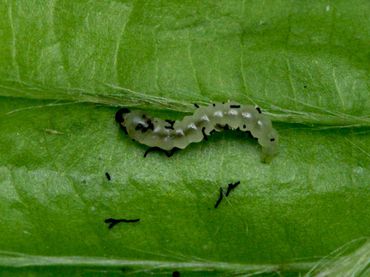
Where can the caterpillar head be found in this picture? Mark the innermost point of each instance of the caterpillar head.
(120, 117)
(120, 114)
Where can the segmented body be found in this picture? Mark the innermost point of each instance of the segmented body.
(168, 135)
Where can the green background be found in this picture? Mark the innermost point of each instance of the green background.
(66, 67)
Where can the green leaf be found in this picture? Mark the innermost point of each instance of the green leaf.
(65, 67)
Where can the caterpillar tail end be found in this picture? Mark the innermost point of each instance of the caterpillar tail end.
(268, 153)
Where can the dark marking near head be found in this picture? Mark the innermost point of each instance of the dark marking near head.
(204, 134)
(196, 105)
(230, 187)
(235, 106)
(113, 222)
(244, 126)
(168, 153)
(219, 198)
(150, 124)
(120, 113)
(305, 86)
(108, 176)
(175, 274)
(214, 105)
(140, 127)
(171, 122)
(272, 139)
(258, 109)
(143, 129)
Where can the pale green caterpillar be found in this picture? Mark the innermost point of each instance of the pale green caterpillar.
(169, 135)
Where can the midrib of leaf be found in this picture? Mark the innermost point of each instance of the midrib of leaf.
(119, 96)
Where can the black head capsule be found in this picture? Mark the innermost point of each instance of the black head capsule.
(120, 113)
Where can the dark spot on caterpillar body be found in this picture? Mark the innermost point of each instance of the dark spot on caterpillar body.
(204, 134)
(175, 274)
(113, 222)
(222, 127)
(150, 125)
(108, 176)
(219, 198)
(171, 122)
(196, 105)
(140, 127)
(168, 134)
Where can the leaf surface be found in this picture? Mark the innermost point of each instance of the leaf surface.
(66, 65)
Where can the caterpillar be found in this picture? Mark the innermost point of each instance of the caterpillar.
(169, 135)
